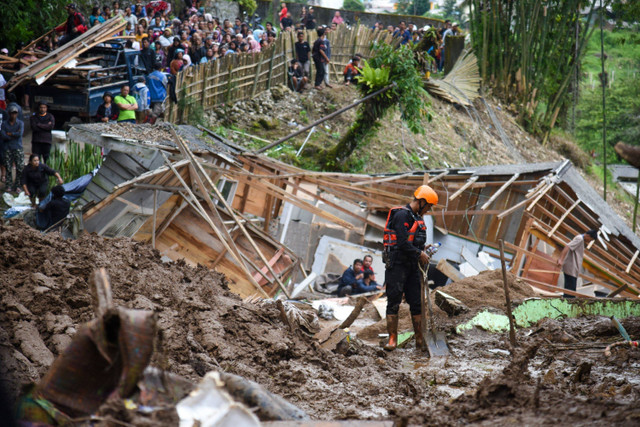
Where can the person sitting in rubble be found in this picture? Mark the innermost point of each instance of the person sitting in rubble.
(353, 281)
(368, 270)
(57, 209)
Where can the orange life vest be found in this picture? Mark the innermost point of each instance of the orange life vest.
(390, 237)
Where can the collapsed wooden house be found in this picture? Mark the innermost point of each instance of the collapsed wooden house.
(213, 203)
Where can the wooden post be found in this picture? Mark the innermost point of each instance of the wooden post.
(512, 331)
(273, 54)
(155, 215)
(255, 80)
(635, 204)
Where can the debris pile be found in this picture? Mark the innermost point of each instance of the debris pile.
(487, 290)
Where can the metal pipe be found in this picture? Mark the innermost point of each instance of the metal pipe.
(330, 116)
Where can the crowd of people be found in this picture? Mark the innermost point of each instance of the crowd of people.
(168, 42)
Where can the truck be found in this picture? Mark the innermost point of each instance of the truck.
(78, 90)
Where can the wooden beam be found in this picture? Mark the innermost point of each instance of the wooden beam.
(633, 259)
(563, 217)
(539, 196)
(552, 288)
(155, 215)
(468, 184)
(618, 291)
(280, 193)
(336, 206)
(385, 179)
(272, 262)
(518, 205)
(499, 191)
(175, 211)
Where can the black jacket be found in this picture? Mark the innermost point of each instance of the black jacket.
(56, 210)
(41, 126)
(115, 111)
(36, 176)
(148, 58)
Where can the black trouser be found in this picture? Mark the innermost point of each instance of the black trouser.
(42, 149)
(38, 190)
(403, 278)
(570, 283)
(319, 71)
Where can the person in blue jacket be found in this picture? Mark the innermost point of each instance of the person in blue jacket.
(157, 83)
(353, 281)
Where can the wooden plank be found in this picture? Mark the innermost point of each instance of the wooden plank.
(449, 270)
(272, 262)
(563, 217)
(500, 191)
(469, 182)
(552, 288)
(633, 259)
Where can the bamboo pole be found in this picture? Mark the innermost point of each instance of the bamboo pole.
(512, 331)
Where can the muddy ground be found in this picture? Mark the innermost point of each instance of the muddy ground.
(560, 376)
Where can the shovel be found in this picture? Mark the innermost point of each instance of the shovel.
(435, 340)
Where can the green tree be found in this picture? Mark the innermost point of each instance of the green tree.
(414, 7)
(25, 20)
(389, 64)
(626, 10)
(450, 10)
(355, 5)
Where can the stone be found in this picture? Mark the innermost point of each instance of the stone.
(43, 280)
(60, 342)
(56, 324)
(31, 344)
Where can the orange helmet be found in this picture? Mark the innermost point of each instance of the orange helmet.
(425, 192)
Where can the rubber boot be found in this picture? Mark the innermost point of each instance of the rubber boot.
(392, 328)
(417, 328)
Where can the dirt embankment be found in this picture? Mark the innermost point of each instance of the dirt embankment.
(44, 297)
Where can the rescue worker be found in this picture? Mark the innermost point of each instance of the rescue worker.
(405, 235)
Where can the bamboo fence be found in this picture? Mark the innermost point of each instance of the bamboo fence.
(239, 77)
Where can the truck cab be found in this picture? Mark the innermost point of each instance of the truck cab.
(78, 90)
